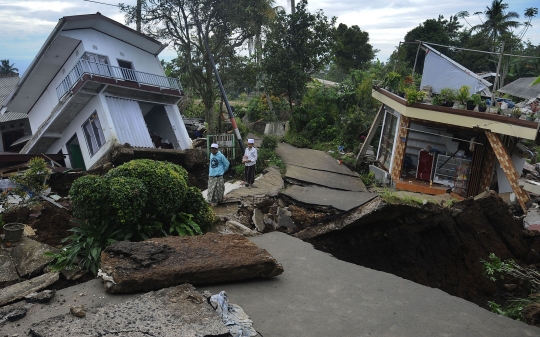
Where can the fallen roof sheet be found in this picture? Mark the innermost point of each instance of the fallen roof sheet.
(522, 88)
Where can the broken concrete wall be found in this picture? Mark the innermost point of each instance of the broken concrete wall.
(164, 262)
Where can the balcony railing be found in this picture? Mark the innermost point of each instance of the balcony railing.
(101, 69)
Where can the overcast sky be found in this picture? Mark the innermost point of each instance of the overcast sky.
(26, 24)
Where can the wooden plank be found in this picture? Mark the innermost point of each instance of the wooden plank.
(371, 133)
(508, 168)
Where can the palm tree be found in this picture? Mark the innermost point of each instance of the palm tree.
(7, 69)
(498, 21)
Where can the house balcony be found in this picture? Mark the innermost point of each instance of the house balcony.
(467, 119)
(121, 78)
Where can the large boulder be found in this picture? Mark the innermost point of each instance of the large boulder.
(164, 262)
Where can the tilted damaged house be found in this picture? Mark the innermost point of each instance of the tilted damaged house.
(94, 83)
(434, 149)
(13, 124)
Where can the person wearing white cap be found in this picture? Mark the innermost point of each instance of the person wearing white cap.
(249, 160)
(216, 184)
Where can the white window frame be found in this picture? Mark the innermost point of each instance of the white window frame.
(93, 133)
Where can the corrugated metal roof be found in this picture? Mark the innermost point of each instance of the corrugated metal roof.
(7, 85)
(522, 88)
(12, 116)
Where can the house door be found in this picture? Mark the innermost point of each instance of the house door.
(9, 137)
(126, 68)
(75, 153)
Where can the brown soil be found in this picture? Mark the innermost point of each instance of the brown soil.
(52, 225)
(435, 246)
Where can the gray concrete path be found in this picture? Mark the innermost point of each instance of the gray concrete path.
(325, 178)
(318, 295)
(311, 159)
(342, 200)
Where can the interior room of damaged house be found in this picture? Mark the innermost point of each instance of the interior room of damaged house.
(434, 145)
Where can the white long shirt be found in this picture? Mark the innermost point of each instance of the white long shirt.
(251, 155)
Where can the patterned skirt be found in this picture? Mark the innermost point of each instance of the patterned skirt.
(216, 188)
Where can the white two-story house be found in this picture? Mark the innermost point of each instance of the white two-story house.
(94, 83)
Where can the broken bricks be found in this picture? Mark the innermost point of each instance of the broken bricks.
(169, 261)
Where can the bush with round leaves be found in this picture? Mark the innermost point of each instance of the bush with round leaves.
(165, 183)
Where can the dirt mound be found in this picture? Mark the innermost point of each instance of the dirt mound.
(52, 225)
(434, 246)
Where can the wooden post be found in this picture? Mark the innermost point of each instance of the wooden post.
(371, 133)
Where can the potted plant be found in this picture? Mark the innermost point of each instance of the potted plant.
(473, 101)
(463, 96)
(391, 81)
(482, 106)
(447, 97)
(414, 96)
(530, 116)
(516, 112)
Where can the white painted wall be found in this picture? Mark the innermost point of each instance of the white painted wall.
(504, 185)
(106, 45)
(75, 127)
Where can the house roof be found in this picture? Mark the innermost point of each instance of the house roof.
(7, 84)
(455, 75)
(57, 49)
(522, 88)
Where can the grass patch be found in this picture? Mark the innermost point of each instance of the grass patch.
(390, 197)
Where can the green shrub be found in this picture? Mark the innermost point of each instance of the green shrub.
(88, 241)
(32, 180)
(267, 157)
(88, 195)
(165, 183)
(269, 142)
(203, 215)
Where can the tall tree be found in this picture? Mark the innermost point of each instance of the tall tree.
(226, 25)
(497, 21)
(7, 69)
(352, 49)
(438, 31)
(297, 46)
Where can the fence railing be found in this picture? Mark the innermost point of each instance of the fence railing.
(101, 69)
(226, 143)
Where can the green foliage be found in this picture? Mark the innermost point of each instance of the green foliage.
(87, 242)
(414, 96)
(391, 197)
(447, 95)
(512, 308)
(258, 108)
(195, 205)
(462, 94)
(165, 183)
(266, 158)
(183, 225)
(6, 68)
(297, 46)
(242, 128)
(476, 98)
(269, 142)
(392, 81)
(368, 178)
(33, 180)
(351, 49)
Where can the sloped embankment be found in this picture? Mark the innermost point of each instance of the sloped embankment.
(431, 245)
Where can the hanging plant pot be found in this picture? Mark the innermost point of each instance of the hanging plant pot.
(13, 232)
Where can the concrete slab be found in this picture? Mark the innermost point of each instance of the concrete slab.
(325, 178)
(320, 296)
(342, 200)
(311, 159)
(268, 185)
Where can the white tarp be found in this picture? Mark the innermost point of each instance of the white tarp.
(129, 122)
(440, 72)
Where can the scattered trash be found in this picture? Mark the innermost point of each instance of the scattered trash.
(233, 316)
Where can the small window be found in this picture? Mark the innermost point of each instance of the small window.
(93, 134)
